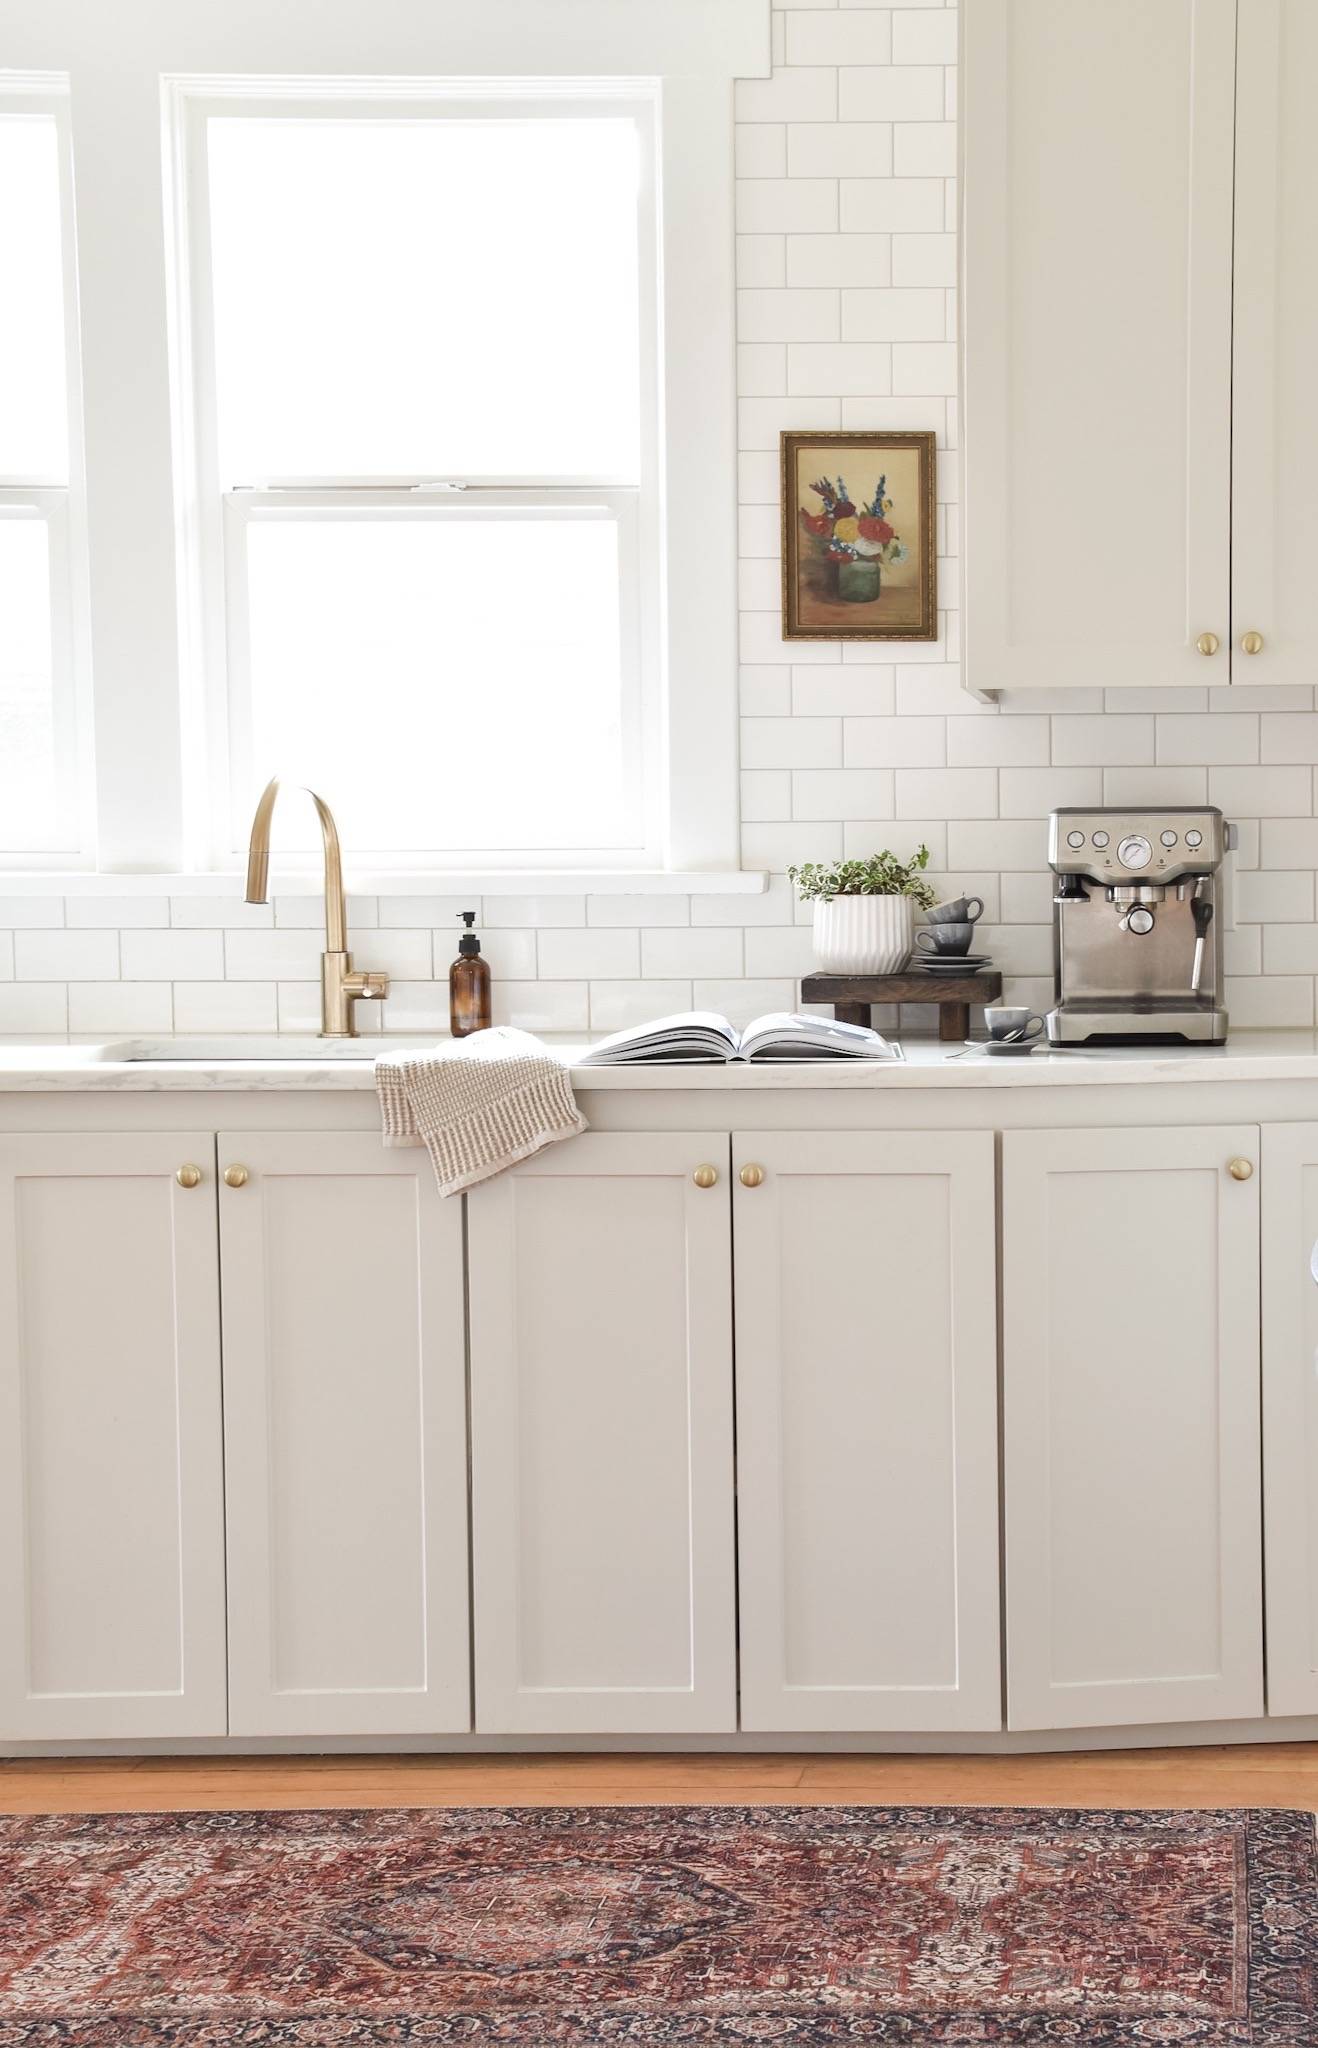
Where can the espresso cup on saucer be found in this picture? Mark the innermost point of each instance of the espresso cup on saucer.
(1012, 1026)
(961, 910)
(947, 938)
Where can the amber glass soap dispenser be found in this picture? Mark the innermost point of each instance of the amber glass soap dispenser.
(469, 984)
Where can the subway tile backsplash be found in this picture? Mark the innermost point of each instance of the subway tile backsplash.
(846, 274)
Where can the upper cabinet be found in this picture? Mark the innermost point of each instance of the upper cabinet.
(1135, 497)
(1274, 403)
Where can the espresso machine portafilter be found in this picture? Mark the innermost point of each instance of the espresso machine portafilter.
(1137, 926)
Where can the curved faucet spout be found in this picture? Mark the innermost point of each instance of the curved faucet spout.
(258, 863)
(341, 985)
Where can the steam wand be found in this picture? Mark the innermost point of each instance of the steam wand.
(1202, 913)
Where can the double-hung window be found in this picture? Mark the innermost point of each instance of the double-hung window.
(43, 727)
(422, 347)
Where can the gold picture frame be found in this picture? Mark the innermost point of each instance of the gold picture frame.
(859, 543)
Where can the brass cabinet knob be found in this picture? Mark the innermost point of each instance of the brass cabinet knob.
(705, 1176)
(1252, 643)
(1208, 643)
(751, 1176)
(188, 1176)
(1240, 1169)
(235, 1176)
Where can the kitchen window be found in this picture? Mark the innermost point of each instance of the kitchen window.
(424, 379)
(44, 722)
(399, 405)
(424, 361)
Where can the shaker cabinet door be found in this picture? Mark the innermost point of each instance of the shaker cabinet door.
(601, 1415)
(1131, 1406)
(111, 1490)
(1096, 252)
(1275, 394)
(1290, 1414)
(867, 1425)
(345, 1439)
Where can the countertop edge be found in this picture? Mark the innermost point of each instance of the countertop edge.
(1258, 1057)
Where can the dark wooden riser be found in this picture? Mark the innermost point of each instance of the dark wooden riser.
(852, 995)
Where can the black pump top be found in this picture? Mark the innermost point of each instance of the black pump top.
(468, 943)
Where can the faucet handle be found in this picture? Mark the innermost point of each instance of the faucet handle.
(366, 986)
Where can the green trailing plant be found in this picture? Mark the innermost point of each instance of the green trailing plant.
(881, 875)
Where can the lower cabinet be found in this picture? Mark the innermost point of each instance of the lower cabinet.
(345, 1438)
(601, 1415)
(268, 1536)
(111, 1508)
(867, 1422)
(1131, 1416)
(1290, 1413)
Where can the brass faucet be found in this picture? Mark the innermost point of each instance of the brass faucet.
(341, 985)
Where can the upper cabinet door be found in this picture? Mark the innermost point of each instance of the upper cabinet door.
(601, 1415)
(1290, 1414)
(345, 1439)
(1275, 394)
(111, 1501)
(1096, 251)
(867, 1431)
(1131, 1401)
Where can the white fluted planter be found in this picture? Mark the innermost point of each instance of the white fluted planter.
(863, 934)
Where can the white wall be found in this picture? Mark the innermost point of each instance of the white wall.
(846, 262)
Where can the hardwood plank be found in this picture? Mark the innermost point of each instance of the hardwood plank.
(1282, 1774)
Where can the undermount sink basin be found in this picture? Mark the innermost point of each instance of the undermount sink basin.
(288, 1046)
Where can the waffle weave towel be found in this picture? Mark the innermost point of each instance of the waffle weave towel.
(477, 1105)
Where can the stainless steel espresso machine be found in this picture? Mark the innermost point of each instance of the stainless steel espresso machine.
(1137, 926)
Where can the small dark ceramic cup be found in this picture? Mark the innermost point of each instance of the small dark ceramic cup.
(961, 910)
(945, 938)
(1012, 1023)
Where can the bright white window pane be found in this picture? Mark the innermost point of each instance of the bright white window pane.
(34, 445)
(28, 803)
(448, 298)
(447, 683)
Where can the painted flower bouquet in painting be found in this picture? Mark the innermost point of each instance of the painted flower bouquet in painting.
(857, 542)
(858, 536)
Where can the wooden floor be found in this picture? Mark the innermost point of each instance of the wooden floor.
(1282, 1774)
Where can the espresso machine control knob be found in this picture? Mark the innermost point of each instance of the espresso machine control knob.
(1135, 852)
(1139, 920)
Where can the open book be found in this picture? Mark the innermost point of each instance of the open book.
(701, 1035)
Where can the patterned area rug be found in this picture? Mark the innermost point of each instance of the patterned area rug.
(646, 1927)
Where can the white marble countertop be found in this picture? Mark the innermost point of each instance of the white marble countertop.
(111, 1065)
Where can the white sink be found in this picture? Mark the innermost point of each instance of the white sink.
(248, 1046)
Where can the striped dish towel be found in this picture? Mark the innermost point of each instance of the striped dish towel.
(477, 1105)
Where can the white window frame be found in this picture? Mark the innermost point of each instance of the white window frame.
(58, 506)
(129, 65)
(221, 708)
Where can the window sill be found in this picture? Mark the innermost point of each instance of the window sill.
(302, 878)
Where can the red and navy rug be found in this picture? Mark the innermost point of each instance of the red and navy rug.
(649, 1927)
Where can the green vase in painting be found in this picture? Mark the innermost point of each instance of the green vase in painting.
(858, 582)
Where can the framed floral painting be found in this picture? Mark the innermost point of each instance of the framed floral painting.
(858, 537)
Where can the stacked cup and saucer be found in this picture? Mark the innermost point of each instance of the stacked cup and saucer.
(947, 935)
